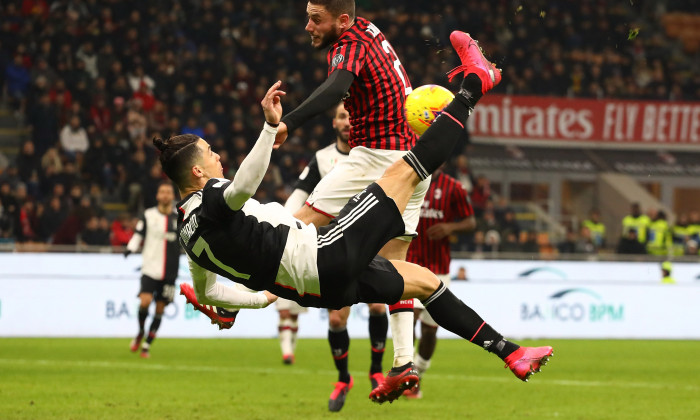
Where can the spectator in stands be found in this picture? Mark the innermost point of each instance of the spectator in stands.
(636, 221)
(510, 243)
(680, 234)
(74, 138)
(67, 233)
(27, 223)
(509, 225)
(480, 194)
(488, 222)
(694, 225)
(529, 242)
(658, 234)
(136, 123)
(629, 244)
(596, 229)
(17, 80)
(43, 123)
(122, 230)
(51, 217)
(6, 225)
(93, 234)
(492, 240)
(210, 65)
(479, 245)
(29, 167)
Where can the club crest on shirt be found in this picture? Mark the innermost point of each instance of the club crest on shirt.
(337, 59)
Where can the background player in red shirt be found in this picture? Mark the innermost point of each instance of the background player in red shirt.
(445, 202)
(363, 69)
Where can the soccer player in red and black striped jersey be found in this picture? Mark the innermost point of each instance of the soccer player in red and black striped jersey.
(446, 210)
(363, 69)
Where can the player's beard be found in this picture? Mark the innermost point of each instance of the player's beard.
(343, 136)
(329, 38)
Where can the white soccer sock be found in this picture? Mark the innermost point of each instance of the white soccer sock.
(401, 324)
(421, 364)
(294, 329)
(285, 332)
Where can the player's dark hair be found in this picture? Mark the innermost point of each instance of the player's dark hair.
(167, 182)
(337, 7)
(177, 156)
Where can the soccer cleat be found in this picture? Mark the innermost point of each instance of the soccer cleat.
(526, 361)
(473, 61)
(413, 393)
(145, 354)
(136, 343)
(376, 379)
(218, 316)
(337, 398)
(288, 359)
(395, 383)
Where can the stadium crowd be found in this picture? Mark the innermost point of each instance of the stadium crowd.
(94, 81)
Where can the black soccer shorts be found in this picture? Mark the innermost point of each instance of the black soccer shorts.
(162, 290)
(348, 266)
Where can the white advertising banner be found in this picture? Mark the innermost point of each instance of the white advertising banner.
(607, 272)
(94, 295)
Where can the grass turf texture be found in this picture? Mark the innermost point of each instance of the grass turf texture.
(245, 379)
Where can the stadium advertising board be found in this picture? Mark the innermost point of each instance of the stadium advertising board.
(94, 295)
(582, 122)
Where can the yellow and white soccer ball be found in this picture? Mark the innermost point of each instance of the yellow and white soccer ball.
(424, 104)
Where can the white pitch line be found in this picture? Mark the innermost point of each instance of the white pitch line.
(301, 371)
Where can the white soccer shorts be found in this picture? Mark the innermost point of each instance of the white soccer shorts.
(362, 167)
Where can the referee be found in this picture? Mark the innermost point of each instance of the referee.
(157, 230)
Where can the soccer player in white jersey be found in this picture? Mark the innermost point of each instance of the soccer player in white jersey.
(263, 247)
(323, 161)
(157, 231)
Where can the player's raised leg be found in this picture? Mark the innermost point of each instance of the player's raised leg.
(431, 150)
(454, 315)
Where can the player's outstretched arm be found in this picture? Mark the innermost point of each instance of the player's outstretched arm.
(254, 166)
(210, 292)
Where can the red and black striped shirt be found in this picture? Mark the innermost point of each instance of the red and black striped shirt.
(377, 96)
(445, 201)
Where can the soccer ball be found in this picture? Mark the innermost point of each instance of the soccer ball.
(424, 104)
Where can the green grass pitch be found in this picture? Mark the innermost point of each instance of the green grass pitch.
(245, 379)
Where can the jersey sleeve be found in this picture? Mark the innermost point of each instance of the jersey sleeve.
(252, 170)
(210, 292)
(350, 56)
(461, 203)
(309, 178)
(139, 233)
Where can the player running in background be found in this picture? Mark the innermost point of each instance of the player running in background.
(444, 204)
(263, 247)
(363, 69)
(157, 230)
(323, 161)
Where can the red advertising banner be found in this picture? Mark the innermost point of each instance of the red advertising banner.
(586, 122)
